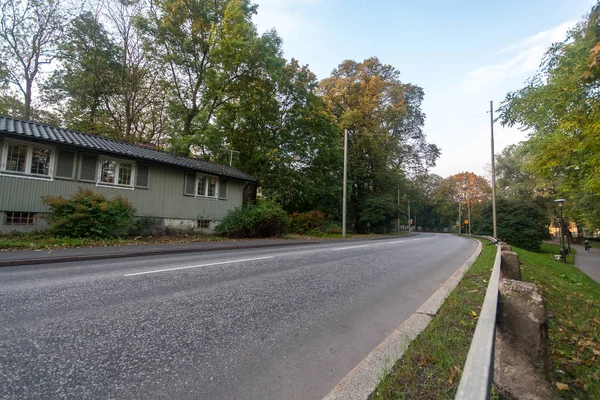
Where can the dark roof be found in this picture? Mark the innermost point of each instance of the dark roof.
(42, 132)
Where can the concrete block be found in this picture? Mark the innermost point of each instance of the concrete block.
(522, 357)
(510, 266)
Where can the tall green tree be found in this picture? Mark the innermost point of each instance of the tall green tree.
(384, 121)
(29, 33)
(286, 138)
(560, 108)
(209, 50)
(85, 76)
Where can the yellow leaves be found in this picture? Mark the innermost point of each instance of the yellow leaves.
(474, 314)
(454, 372)
(562, 386)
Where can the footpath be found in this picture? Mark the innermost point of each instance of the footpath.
(29, 257)
(588, 261)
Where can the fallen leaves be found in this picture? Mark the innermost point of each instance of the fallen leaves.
(562, 386)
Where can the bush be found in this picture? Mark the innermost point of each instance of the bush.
(147, 226)
(313, 220)
(520, 223)
(265, 219)
(89, 214)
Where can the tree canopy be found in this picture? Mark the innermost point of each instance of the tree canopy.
(560, 109)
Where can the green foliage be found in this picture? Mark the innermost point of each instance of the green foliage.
(384, 120)
(573, 299)
(520, 223)
(89, 214)
(560, 108)
(264, 219)
(29, 31)
(312, 221)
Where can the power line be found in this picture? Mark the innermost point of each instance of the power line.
(455, 122)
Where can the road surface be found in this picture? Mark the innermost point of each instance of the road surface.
(271, 323)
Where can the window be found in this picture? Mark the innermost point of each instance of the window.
(18, 218)
(26, 159)
(202, 185)
(65, 164)
(203, 223)
(115, 172)
(207, 186)
(141, 178)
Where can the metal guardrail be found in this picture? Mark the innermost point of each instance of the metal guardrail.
(478, 372)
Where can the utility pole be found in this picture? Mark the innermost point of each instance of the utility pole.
(459, 219)
(345, 177)
(493, 171)
(469, 210)
(231, 155)
(408, 215)
(398, 222)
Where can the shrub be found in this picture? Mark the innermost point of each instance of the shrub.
(520, 223)
(89, 214)
(265, 219)
(308, 221)
(147, 226)
(313, 222)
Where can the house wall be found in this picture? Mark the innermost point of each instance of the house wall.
(164, 197)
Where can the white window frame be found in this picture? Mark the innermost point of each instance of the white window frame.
(118, 162)
(28, 160)
(206, 180)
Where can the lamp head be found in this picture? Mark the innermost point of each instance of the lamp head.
(560, 202)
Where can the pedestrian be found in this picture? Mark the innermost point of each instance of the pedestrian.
(587, 245)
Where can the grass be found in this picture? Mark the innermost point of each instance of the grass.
(431, 366)
(573, 302)
(44, 241)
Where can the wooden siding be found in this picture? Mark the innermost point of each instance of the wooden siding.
(163, 198)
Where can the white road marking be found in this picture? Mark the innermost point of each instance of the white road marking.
(198, 266)
(349, 247)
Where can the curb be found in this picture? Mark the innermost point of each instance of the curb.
(138, 252)
(364, 378)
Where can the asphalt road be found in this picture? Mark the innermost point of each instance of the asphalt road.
(279, 323)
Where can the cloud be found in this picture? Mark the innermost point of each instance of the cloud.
(288, 17)
(521, 59)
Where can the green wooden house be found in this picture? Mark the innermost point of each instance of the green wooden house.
(38, 160)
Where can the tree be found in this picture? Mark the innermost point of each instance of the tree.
(560, 108)
(519, 222)
(462, 190)
(85, 76)
(384, 119)
(210, 51)
(285, 137)
(29, 31)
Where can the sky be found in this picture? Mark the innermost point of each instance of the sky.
(464, 54)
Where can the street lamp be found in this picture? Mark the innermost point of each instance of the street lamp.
(562, 223)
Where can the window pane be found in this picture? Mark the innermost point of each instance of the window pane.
(88, 167)
(107, 173)
(212, 187)
(15, 161)
(125, 173)
(40, 161)
(201, 186)
(141, 178)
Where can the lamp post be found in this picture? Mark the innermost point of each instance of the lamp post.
(562, 223)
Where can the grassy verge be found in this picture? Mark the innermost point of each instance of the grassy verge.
(573, 302)
(44, 241)
(431, 366)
